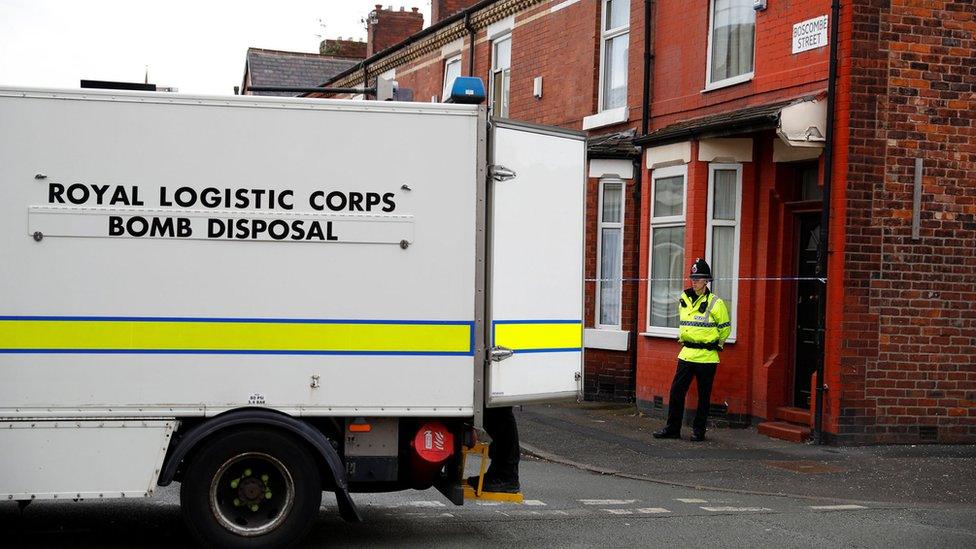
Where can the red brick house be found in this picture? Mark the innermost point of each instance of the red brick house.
(741, 140)
(735, 163)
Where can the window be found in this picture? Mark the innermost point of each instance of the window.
(452, 69)
(722, 241)
(731, 42)
(610, 250)
(616, 43)
(667, 257)
(501, 69)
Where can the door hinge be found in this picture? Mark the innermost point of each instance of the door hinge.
(499, 354)
(500, 173)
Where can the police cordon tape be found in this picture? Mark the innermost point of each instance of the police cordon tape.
(739, 278)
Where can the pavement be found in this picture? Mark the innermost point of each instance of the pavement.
(615, 439)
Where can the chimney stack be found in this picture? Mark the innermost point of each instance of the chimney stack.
(386, 27)
(442, 9)
(348, 49)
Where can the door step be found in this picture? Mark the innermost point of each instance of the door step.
(799, 416)
(784, 431)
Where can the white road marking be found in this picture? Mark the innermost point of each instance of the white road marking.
(620, 511)
(691, 500)
(534, 502)
(653, 510)
(424, 504)
(607, 501)
(836, 507)
(488, 503)
(735, 509)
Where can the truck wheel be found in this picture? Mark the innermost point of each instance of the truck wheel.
(251, 488)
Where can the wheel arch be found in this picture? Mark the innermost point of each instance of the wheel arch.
(254, 417)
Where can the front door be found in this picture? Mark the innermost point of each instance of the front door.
(809, 291)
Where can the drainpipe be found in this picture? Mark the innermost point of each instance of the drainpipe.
(648, 57)
(365, 78)
(825, 216)
(639, 164)
(472, 34)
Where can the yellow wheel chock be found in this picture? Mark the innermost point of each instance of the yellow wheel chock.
(481, 449)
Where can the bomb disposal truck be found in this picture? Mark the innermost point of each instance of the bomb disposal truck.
(265, 298)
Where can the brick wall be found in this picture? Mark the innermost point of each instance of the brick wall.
(680, 60)
(907, 361)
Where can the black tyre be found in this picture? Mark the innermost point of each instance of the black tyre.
(251, 488)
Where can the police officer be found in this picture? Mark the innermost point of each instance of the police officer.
(703, 328)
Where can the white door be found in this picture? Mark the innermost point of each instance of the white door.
(535, 285)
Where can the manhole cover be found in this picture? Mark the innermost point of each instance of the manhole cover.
(804, 466)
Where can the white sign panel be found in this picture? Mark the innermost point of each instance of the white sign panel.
(810, 34)
(219, 225)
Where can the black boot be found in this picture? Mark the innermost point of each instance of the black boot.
(666, 433)
(492, 484)
(698, 436)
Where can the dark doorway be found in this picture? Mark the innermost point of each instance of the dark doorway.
(808, 294)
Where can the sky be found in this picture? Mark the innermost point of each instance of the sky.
(197, 46)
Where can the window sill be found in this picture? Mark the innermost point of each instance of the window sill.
(674, 336)
(728, 82)
(606, 118)
(606, 338)
(670, 333)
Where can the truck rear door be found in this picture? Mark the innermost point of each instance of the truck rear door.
(535, 282)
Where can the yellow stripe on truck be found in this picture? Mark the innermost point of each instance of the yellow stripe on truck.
(539, 336)
(235, 336)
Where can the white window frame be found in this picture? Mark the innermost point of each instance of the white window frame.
(491, 80)
(737, 224)
(601, 224)
(661, 223)
(445, 93)
(725, 82)
(605, 37)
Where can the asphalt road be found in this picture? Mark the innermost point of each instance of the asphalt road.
(565, 507)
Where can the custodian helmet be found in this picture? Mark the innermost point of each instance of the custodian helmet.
(700, 269)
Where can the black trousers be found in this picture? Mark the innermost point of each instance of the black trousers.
(504, 448)
(705, 374)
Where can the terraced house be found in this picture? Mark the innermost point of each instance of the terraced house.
(819, 155)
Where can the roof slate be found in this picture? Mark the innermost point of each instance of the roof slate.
(612, 145)
(727, 123)
(287, 68)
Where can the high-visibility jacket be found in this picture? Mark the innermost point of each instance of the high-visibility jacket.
(703, 327)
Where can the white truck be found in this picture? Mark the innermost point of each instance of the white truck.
(267, 298)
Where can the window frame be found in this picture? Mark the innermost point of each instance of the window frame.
(445, 93)
(601, 224)
(506, 102)
(605, 36)
(733, 80)
(737, 224)
(662, 223)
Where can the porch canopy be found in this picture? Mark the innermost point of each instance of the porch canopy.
(799, 122)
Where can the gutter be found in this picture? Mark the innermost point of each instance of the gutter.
(818, 435)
